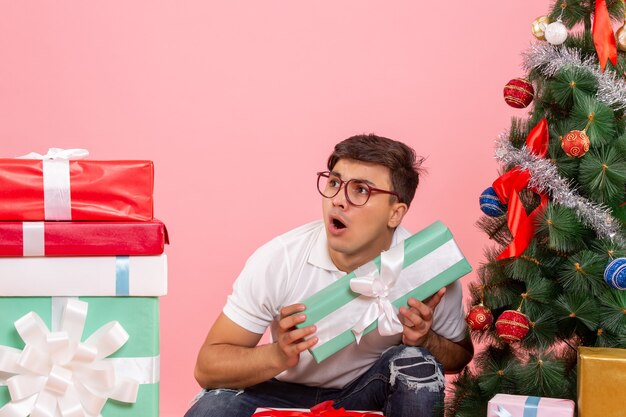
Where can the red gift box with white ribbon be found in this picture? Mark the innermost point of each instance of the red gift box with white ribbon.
(61, 185)
(82, 238)
(324, 409)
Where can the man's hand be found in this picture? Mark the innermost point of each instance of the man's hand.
(290, 340)
(418, 319)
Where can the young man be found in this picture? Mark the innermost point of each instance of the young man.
(367, 190)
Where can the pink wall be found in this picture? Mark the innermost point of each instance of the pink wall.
(239, 104)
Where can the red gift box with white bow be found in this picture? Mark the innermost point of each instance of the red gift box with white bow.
(61, 185)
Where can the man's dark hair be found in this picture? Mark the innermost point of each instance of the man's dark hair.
(404, 166)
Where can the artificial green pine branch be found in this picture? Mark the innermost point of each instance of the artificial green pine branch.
(490, 272)
(564, 232)
(619, 212)
(603, 174)
(468, 400)
(583, 42)
(604, 338)
(542, 376)
(609, 249)
(595, 117)
(504, 294)
(498, 371)
(543, 330)
(535, 261)
(578, 313)
(571, 81)
(583, 273)
(571, 12)
(539, 291)
(613, 312)
(620, 122)
(616, 9)
(526, 266)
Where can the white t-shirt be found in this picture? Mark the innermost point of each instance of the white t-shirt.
(294, 266)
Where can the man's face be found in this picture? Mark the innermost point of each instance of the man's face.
(358, 234)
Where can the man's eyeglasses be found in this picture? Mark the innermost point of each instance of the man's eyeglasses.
(358, 192)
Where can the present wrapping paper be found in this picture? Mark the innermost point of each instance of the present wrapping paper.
(57, 238)
(301, 412)
(601, 382)
(137, 359)
(324, 409)
(84, 276)
(505, 405)
(62, 189)
(420, 266)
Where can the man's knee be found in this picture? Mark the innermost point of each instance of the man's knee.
(416, 369)
(214, 403)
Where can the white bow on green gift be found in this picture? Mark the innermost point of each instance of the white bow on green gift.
(57, 374)
(375, 285)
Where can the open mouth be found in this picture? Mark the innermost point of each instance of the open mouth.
(338, 224)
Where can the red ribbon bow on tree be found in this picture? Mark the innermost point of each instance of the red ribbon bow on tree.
(324, 409)
(508, 187)
(603, 36)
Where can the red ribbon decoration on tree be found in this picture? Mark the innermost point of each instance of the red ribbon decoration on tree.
(603, 36)
(324, 409)
(508, 187)
(538, 138)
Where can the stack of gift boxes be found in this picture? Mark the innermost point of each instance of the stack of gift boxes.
(81, 270)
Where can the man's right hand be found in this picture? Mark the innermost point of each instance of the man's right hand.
(291, 340)
(231, 357)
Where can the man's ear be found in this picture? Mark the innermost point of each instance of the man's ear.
(398, 210)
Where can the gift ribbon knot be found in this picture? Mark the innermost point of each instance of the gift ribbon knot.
(58, 154)
(56, 180)
(375, 286)
(57, 374)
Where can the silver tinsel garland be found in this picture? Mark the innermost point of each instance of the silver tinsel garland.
(546, 179)
(549, 59)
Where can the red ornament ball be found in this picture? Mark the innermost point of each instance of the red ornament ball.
(479, 318)
(575, 143)
(512, 326)
(518, 93)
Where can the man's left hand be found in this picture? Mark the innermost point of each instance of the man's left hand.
(418, 319)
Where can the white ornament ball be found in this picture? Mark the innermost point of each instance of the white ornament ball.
(556, 33)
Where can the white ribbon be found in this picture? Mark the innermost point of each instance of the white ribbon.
(56, 180)
(57, 375)
(58, 153)
(503, 412)
(375, 287)
(33, 239)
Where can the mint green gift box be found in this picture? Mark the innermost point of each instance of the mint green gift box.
(139, 316)
(431, 256)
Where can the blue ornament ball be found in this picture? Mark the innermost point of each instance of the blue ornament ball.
(490, 203)
(615, 274)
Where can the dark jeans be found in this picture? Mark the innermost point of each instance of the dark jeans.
(404, 382)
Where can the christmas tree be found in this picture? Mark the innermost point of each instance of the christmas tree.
(554, 279)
